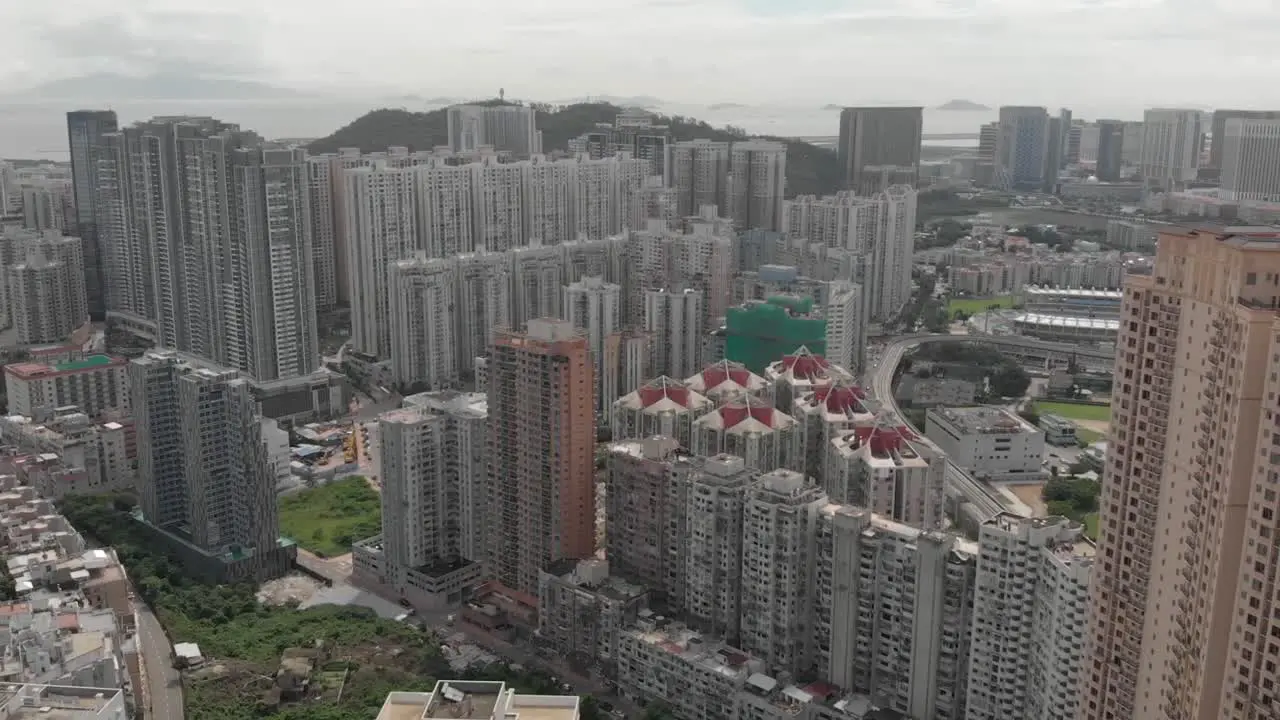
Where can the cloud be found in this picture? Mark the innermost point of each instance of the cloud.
(1100, 56)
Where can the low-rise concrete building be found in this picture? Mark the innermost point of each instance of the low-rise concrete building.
(1058, 430)
(582, 609)
(989, 442)
(96, 384)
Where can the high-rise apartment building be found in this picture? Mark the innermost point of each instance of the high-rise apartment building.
(595, 307)
(537, 284)
(1110, 150)
(879, 231)
(879, 141)
(1183, 608)
(484, 303)
(209, 464)
(752, 429)
(85, 129)
(985, 171)
(1218, 130)
(506, 128)
(700, 175)
(43, 280)
(1170, 153)
(1029, 618)
(644, 511)
(710, 588)
(433, 473)
(893, 612)
(41, 294)
(48, 205)
(1250, 169)
(424, 316)
(675, 320)
(885, 469)
(661, 406)
(757, 184)
(1022, 146)
(221, 264)
(632, 132)
(542, 436)
(780, 519)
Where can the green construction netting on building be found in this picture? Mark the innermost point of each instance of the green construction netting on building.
(757, 334)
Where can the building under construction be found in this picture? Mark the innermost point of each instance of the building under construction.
(759, 333)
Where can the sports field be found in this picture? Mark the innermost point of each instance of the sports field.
(973, 306)
(1074, 411)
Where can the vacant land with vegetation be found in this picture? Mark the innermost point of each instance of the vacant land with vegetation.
(359, 657)
(327, 519)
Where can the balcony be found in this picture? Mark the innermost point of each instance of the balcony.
(1259, 303)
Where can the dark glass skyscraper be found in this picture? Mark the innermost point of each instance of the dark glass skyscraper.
(880, 147)
(85, 129)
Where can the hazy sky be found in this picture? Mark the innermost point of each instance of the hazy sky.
(1052, 52)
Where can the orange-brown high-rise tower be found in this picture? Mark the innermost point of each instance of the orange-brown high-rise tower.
(542, 434)
(1185, 616)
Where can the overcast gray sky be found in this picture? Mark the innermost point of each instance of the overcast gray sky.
(1052, 52)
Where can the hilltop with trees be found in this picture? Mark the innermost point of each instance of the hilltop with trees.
(811, 170)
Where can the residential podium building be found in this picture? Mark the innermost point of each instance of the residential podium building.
(208, 465)
(430, 463)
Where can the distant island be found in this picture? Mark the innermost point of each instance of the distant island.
(965, 105)
(832, 106)
(725, 106)
(811, 170)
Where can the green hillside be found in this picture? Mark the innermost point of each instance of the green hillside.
(811, 170)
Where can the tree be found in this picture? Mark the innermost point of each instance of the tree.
(1010, 381)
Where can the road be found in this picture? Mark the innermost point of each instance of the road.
(164, 683)
(880, 373)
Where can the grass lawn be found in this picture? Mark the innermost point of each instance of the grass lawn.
(1088, 436)
(1072, 411)
(327, 519)
(1091, 525)
(973, 306)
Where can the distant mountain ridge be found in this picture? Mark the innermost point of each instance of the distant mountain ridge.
(158, 86)
(811, 170)
(965, 105)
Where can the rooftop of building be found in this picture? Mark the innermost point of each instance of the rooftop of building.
(882, 445)
(838, 400)
(656, 447)
(593, 576)
(31, 370)
(1068, 321)
(1091, 293)
(722, 373)
(879, 524)
(54, 702)
(1068, 544)
(477, 700)
(470, 404)
(663, 394)
(746, 414)
(981, 420)
(694, 647)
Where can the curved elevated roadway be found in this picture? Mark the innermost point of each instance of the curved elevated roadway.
(987, 501)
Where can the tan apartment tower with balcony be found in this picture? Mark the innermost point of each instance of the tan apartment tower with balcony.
(542, 427)
(1185, 603)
